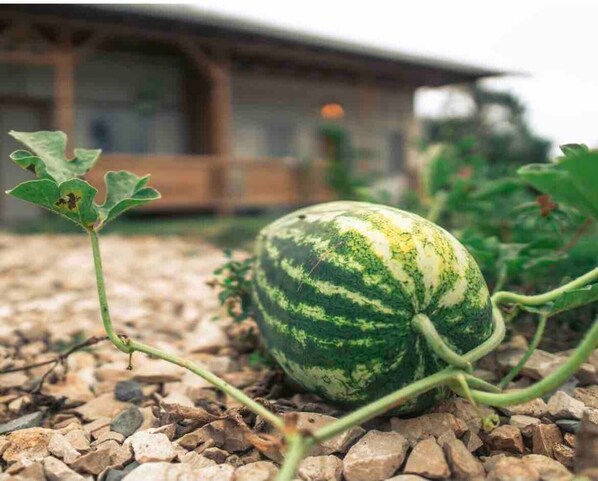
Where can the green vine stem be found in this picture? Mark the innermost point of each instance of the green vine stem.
(130, 346)
(532, 347)
(550, 382)
(425, 327)
(505, 297)
(297, 446)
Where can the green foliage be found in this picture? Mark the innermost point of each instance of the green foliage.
(498, 124)
(233, 281)
(571, 180)
(575, 298)
(59, 188)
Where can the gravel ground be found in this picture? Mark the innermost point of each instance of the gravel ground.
(92, 418)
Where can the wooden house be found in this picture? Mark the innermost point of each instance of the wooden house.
(225, 114)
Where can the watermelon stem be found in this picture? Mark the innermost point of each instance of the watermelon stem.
(506, 297)
(297, 445)
(550, 382)
(130, 346)
(426, 328)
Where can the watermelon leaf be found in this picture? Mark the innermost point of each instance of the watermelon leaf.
(571, 180)
(60, 189)
(575, 298)
(73, 199)
(48, 158)
(124, 191)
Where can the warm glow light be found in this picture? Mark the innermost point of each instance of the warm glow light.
(332, 111)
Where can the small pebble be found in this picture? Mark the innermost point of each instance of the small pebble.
(128, 391)
(32, 420)
(127, 422)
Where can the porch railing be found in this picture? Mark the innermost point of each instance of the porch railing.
(211, 182)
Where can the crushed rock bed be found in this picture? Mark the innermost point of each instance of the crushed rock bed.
(95, 419)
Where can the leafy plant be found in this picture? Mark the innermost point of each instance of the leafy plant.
(59, 189)
(233, 280)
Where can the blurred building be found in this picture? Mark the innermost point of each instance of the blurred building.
(225, 114)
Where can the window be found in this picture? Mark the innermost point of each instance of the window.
(396, 152)
(119, 129)
(279, 139)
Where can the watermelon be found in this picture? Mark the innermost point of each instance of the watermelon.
(336, 286)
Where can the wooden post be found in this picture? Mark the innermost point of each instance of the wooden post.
(367, 105)
(221, 120)
(64, 90)
(217, 71)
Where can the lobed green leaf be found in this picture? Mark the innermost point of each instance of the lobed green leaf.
(575, 298)
(571, 181)
(48, 160)
(59, 189)
(124, 191)
(73, 199)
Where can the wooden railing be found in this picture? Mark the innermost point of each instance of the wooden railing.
(210, 182)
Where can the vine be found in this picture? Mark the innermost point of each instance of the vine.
(59, 189)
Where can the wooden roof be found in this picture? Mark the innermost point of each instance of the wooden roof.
(252, 43)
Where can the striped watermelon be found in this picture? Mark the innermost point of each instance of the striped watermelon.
(336, 286)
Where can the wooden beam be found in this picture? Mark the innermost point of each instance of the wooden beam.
(27, 58)
(64, 90)
(90, 45)
(409, 75)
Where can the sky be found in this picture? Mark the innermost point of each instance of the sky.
(551, 45)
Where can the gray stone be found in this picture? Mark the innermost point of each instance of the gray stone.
(321, 468)
(119, 474)
(376, 456)
(32, 420)
(563, 406)
(127, 422)
(427, 459)
(568, 425)
(128, 391)
(260, 471)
